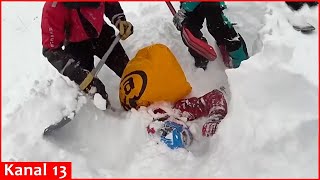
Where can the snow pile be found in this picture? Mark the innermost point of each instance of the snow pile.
(270, 130)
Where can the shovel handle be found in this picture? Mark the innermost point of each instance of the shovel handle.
(96, 70)
(173, 11)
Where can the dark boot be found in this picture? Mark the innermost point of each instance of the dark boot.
(237, 50)
(201, 62)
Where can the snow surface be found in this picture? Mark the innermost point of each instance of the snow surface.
(271, 129)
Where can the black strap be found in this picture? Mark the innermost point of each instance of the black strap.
(90, 30)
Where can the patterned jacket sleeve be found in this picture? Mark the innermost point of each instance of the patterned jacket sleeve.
(53, 25)
(189, 6)
(53, 33)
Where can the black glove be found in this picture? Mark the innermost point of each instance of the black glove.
(67, 66)
(89, 84)
(97, 86)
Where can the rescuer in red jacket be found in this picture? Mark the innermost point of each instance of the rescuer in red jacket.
(79, 27)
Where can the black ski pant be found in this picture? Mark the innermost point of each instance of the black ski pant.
(84, 51)
(212, 12)
(298, 5)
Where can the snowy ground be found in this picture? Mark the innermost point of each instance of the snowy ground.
(271, 129)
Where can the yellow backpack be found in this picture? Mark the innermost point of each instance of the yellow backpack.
(154, 74)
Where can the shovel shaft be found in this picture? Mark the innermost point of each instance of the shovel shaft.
(173, 11)
(96, 70)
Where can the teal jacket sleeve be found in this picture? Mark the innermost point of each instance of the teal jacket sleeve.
(189, 6)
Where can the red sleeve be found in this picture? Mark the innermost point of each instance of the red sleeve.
(53, 25)
(212, 104)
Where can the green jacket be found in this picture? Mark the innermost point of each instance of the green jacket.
(190, 6)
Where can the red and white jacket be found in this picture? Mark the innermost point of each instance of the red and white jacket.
(212, 105)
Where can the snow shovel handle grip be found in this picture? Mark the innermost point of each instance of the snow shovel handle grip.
(173, 11)
(96, 70)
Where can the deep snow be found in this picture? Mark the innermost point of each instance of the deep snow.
(271, 129)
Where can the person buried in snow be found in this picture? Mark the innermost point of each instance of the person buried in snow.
(79, 27)
(172, 129)
(154, 75)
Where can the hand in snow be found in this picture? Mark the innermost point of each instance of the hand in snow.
(210, 127)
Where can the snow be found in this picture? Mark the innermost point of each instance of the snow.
(271, 129)
(99, 102)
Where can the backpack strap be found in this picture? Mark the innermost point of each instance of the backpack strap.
(90, 30)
